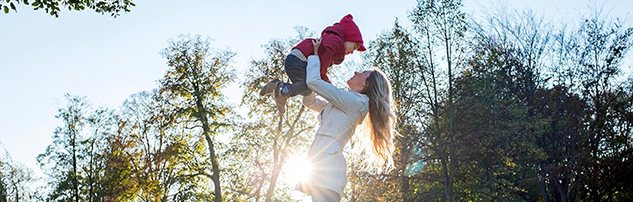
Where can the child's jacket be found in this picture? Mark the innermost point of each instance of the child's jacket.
(331, 50)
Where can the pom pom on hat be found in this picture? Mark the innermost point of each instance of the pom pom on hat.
(352, 31)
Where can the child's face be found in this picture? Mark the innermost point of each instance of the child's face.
(350, 47)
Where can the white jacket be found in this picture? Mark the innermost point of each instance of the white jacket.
(340, 113)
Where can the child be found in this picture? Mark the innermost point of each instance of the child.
(336, 41)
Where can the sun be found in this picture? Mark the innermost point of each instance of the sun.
(297, 169)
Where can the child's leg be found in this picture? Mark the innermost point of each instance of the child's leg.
(296, 71)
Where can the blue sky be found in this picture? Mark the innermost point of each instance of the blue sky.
(88, 54)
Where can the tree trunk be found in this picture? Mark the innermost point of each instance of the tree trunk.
(259, 187)
(215, 168)
(74, 174)
(452, 155)
(562, 190)
(541, 184)
(277, 162)
(280, 153)
(403, 159)
(273, 182)
(445, 177)
(3, 189)
(91, 173)
(404, 187)
(436, 114)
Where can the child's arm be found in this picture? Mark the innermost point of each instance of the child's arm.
(329, 46)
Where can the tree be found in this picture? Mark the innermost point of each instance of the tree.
(100, 124)
(517, 43)
(119, 182)
(601, 46)
(53, 7)
(441, 27)
(162, 157)
(193, 87)
(64, 155)
(577, 119)
(561, 113)
(498, 138)
(396, 53)
(15, 179)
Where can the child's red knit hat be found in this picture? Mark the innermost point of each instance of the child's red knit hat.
(352, 31)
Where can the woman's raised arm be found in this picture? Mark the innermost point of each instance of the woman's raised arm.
(344, 100)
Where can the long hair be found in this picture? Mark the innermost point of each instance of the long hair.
(380, 121)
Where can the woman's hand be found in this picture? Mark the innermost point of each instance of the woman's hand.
(316, 44)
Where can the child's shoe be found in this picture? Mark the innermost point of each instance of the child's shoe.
(269, 87)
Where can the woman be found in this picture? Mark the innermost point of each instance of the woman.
(368, 102)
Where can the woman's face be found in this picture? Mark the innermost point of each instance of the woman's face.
(357, 82)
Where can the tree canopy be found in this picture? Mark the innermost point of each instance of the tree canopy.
(54, 7)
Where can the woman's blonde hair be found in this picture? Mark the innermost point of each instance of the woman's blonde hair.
(380, 121)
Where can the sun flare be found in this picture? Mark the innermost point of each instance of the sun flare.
(297, 169)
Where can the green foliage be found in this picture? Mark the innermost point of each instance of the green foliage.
(440, 27)
(601, 46)
(142, 153)
(53, 7)
(65, 154)
(3, 189)
(192, 89)
(15, 179)
(394, 53)
(119, 182)
(519, 137)
(157, 150)
(496, 129)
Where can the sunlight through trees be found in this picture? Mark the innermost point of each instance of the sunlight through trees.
(510, 107)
